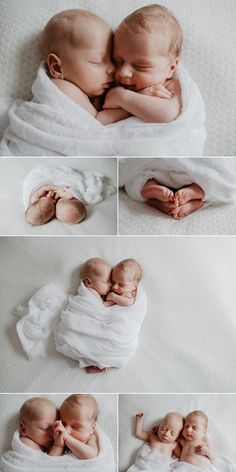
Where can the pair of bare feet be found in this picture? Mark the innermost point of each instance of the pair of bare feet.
(179, 204)
(93, 369)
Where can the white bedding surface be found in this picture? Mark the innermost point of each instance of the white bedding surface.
(101, 218)
(137, 218)
(10, 406)
(208, 53)
(187, 341)
(221, 409)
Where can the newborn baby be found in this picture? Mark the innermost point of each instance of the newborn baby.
(96, 275)
(54, 201)
(162, 438)
(37, 417)
(125, 279)
(147, 46)
(77, 428)
(196, 445)
(76, 47)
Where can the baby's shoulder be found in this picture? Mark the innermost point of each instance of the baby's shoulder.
(71, 90)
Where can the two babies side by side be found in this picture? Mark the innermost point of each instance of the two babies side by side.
(185, 438)
(113, 286)
(116, 76)
(71, 429)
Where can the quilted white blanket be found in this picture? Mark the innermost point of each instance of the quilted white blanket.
(86, 330)
(146, 460)
(87, 186)
(217, 177)
(52, 124)
(22, 458)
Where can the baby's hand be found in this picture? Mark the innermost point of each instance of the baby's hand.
(157, 90)
(139, 417)
(58, 428)
(113, 98)
(110, 296)
(201, 449)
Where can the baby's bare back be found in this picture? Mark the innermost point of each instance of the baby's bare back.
(189, 454)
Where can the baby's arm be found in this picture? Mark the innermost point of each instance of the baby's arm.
(121, 300)
(78, 96)
(177, 450)
(206, 449)
(139, 432)
(42, 192)
(151, 109)
(82, 450)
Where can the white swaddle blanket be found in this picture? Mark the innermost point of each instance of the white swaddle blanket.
(22, 458)
(147, 460)
(217, 177)
(87, 186)
(84, 328)
(52, 124)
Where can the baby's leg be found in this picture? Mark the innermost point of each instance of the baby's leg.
(164, 207)
(185, 194)
(152, 189)
(186, 209)
(93, 369)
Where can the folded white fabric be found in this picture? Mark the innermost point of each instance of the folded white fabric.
(217, 177)
(52, 124)
(87, 186)
(88, 331)
(22, 458)
(147, 460)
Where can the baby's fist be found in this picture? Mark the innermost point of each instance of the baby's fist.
(139, 416)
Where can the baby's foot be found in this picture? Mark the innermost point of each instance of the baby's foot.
(164, 207)
(93, 369)
(152, 189)
(185, 194)
(186, 209)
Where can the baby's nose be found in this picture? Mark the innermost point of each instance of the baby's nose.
(125, 71)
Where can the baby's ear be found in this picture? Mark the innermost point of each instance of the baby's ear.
(87, 281)
(22, 428)
(172, 67)
(55, 66)
(93, 428)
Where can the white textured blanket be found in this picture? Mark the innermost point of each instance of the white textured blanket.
(87, 331)
(52, 124)
(217, 177)
(87, 186)
(146, 460)
(22, 458)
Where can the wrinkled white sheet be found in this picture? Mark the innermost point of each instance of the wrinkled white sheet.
(188, 335)
(23, 458)
(85, 330)
(87, 186)
(52, 124)
(217, 177)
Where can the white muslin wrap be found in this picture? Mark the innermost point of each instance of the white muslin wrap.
(217, 177)
(52, 124)
(147, 460)
(87, 186)
(84, 328)
(22, 458)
